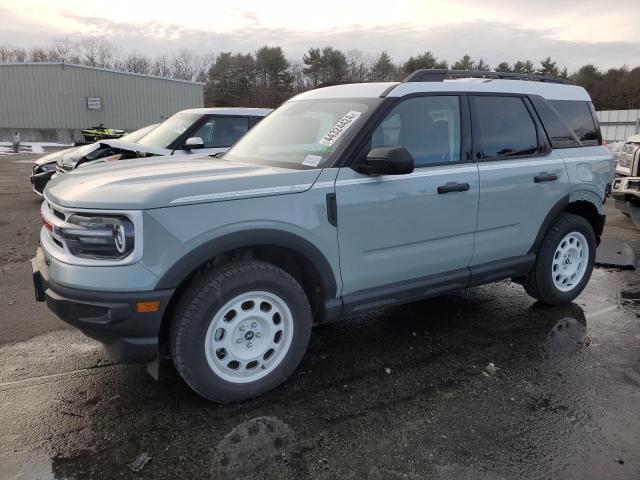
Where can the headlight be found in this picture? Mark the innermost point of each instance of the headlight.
(623, 161)
(98, 237)
(47, 167)
(629, 147)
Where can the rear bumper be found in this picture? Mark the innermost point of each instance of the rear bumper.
(109, 317)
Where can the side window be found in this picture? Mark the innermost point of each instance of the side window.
(221, 132)
(560, 134)
(204, 132)
(578, 117)
(428, 127)
(505, 127)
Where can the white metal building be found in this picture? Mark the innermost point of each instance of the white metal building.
(55, 101)
(618, 125)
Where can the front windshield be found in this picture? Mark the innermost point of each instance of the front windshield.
(136, 135)
(302, 133)
(168, 131)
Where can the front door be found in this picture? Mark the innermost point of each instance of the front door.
(395, 230)
(219, 133)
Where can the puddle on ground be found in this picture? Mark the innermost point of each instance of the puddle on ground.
(566, 337)
(259, 448)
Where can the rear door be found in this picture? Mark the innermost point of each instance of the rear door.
(397, 232)
(521, 178)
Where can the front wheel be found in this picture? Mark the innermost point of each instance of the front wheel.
(564, 262)
(240, 331)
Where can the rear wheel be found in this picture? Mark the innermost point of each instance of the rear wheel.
(564, 262)
(240, 331)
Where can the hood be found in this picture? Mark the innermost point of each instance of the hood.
(73, 155)
(165, 182)
(135, 147)
(71, 158)
(54, 156)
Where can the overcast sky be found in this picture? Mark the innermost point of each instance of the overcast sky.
(574, 32)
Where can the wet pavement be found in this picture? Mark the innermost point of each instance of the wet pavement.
(482, 384)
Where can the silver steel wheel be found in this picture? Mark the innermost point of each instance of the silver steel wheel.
(570, 261)
(249, 336)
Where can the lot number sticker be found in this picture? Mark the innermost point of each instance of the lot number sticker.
(312, 160)
(339, 128)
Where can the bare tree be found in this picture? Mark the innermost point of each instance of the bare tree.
(64, 50)
(184, 65)
(358, 65)
(300, 81)
(38, 54)
(96, 52)
(6, 53)
(136, 63)
(161, 67)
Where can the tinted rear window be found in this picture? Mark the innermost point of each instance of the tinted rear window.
(578, 117)
(506, 128)
(559, 133)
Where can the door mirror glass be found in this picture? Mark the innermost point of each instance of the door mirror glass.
(387, 161)
(193, 143)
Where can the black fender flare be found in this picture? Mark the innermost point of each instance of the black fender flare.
(190, 262)
(551, 215)
(561, 205)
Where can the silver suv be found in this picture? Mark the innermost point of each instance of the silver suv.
(347, 198)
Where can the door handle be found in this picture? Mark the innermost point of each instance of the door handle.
(453, 187)
(545, 177)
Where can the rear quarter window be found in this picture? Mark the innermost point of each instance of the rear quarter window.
(579, 118)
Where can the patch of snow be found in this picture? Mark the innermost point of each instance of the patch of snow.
(6, 148)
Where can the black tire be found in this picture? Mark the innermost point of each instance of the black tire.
(539, 283)
(206, 296)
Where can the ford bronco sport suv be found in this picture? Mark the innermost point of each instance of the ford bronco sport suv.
(347, 198)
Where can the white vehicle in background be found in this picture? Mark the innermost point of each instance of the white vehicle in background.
(45, 167)
(206, 131)
(629, 160)
(626, 187)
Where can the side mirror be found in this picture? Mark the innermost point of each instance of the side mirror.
(387, 161)
(193, 143)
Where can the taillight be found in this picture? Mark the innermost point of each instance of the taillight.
(45, 224)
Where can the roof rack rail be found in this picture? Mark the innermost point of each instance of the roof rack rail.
(333, 83)
(439, 75)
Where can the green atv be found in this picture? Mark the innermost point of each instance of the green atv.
(100, 132)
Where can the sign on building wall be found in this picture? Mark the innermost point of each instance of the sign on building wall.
(94, 103)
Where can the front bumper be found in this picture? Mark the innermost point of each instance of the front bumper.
(626, 188)
(109, 317)
(40, 180)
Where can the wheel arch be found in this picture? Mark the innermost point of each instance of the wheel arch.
(585, 204)
(294, 254)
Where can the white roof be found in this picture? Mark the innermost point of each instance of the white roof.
(250, 112)
(550, 91)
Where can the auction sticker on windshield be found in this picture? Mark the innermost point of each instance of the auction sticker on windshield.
(339, 128)
(312, 160)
